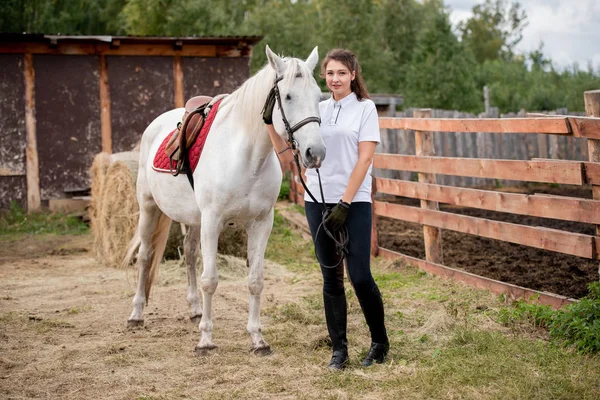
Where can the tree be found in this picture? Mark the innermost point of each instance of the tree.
(441, 73)
(494, 29)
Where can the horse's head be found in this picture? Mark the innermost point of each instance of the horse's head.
(297, 108)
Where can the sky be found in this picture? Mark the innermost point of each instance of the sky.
(569, 29)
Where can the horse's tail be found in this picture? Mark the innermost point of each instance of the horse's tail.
(160, 236)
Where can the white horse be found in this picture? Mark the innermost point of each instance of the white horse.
(236, 183)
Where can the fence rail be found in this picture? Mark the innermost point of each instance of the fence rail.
(428, 167)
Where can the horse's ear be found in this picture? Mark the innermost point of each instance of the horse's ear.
(313, 59)
(275, 61)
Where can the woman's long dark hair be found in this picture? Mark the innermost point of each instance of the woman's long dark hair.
(349, 59)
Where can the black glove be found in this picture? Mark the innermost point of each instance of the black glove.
(336, 218)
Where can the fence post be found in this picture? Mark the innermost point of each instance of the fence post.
(432, 235)
(592, 109)
(374, 236)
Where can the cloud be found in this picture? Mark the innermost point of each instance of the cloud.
(570, 30)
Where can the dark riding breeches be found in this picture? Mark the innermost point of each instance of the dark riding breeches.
(358, 262)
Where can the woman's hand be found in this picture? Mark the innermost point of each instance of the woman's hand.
(337, 217)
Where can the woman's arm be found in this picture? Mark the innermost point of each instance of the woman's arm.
(366, 151)
(282, 149)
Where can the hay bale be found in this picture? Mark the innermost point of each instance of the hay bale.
(118, 216)
(98, 170)
(97, 173)
(233, 242)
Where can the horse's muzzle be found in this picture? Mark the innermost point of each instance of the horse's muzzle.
(313, 157)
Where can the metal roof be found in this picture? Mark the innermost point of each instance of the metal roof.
(53, 39)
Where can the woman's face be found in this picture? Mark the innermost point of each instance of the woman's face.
(338, 79)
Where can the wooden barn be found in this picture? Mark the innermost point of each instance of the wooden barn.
(63, 99)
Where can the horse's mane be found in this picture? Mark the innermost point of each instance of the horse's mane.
(248, 100)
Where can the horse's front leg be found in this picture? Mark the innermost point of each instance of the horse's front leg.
(209, 239)
(190, 250)
(258, 236)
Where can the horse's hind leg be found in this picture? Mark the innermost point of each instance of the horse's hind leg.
(209, 239)
(148, 222)
(258, 236)
(190, 250)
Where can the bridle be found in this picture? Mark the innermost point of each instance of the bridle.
(274, 95)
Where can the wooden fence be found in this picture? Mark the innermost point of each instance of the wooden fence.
(428, 166)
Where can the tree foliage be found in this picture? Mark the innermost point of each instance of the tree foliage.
(406, 47)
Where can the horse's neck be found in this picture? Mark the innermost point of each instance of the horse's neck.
(246, 105)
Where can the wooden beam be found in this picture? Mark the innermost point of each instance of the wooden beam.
(566, 172)
(432, 235)
(548, 125)
(33, 170)
(105, 120)
(592, 109)
(544, 206)
(513, 292)
(147, 49)
(585, 127)
(179, 99)
(541, 238)
(374, 233)
(11, 172)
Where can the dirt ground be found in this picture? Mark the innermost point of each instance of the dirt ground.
(63, 331)
(520, 265)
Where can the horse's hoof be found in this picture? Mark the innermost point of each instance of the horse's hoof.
(262, 351)
(196, 318)
(134, 323)
(204, 350)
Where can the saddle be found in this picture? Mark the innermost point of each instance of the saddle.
(190, 124)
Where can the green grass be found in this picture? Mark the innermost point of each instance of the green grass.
(18, 221)
(288, 248)
(448, 341)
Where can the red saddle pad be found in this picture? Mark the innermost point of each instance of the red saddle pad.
(161, 159)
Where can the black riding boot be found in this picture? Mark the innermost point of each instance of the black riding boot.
(336, 316)
(371, 304)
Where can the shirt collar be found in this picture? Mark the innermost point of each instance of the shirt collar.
(345, 101)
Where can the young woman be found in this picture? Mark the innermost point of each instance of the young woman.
(350, 129)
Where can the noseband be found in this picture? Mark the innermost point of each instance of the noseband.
(273, 96)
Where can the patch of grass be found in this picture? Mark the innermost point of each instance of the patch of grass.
(289, 248)
(576, 325)
(18, 221)
(298, 208)
(284, 189)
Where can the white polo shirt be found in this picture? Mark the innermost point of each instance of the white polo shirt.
(344, 124)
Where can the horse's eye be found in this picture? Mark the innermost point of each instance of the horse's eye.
(288, 97)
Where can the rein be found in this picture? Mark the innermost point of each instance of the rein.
(341, 243)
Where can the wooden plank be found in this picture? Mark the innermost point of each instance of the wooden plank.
(424, 146)
(513, 292)
(10, 172)
(68, 205)
(592, 172)
(179, 99)
(544, 206)
(33, 170)
(105, 120)
(566, 172)
(374, 233)
(547, 125)
(585, 127)
(541, 238)
(134, 49)
(592, 109)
